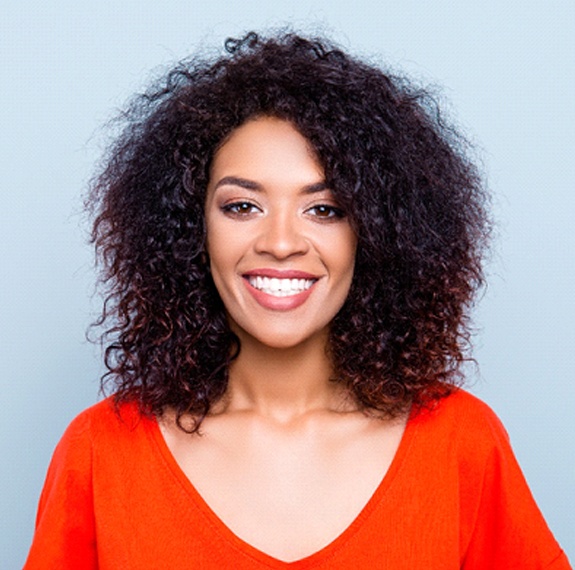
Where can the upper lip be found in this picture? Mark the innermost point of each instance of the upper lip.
(280, 273)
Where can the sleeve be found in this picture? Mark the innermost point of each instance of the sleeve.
(64, 537)
(510, 532)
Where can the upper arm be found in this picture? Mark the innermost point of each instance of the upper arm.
(64, 537)
(509, 530)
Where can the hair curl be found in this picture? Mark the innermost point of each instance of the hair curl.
(415, 200)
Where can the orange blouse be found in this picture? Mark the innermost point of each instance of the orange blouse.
(453, 498)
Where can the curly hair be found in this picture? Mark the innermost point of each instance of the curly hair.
(415, 200)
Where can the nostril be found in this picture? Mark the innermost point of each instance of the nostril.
(282, 240)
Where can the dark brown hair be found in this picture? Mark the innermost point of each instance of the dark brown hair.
(402, 176)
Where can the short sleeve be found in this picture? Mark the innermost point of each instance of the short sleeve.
(510, 532)
(64, 537)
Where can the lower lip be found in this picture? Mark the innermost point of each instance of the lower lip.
(279, 303)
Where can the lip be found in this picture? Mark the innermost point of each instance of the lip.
(272, 302)
(280, 273)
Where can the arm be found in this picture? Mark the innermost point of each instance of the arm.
(509, 530)
(65, 535)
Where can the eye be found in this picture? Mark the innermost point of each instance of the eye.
(326, 212)
(240, 209)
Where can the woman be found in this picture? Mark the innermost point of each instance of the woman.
(292, 240)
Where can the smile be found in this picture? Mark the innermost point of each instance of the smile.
(279, 287)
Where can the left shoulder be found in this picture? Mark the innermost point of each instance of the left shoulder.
(464, 418)
(464, 445)
(468, 409)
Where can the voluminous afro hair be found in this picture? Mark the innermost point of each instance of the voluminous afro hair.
(415, 201)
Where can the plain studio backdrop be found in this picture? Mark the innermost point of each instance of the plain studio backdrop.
(507, 70)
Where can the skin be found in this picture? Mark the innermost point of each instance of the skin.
(286, 460)
(268, 210)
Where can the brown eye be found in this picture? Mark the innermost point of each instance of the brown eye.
(240, 208)
(326, 212)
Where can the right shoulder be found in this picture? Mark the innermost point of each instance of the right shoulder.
(102, 433)
(96, 440)
(99, 423)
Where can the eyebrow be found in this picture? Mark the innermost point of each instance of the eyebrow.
(252, 185)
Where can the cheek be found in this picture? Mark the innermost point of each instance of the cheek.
(224, 252)
(216, 246)
(349, 270)
(216, 255)
(341, 262)
(348, 248)
(220, 258)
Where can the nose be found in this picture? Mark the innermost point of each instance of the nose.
(281, 236)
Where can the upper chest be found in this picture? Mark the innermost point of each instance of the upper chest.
(287, 491)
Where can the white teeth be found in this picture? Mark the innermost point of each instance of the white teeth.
(280, 287)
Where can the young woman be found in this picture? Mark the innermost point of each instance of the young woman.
(292, 240)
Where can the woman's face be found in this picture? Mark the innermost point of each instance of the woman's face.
(281, 250)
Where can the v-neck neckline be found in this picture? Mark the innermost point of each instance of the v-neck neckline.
(314, 559)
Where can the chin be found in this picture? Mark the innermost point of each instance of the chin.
(282, 339)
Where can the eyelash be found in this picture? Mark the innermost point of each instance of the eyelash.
(323, 212)
(333, 212)
(233, 208)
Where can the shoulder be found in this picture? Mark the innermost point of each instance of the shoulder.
(102, 435)
(500, 522)
(465, 409)
(98, 424)
(466, 422)
(463, 403)
(102, 413)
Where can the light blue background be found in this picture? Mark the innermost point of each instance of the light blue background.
(508, 69)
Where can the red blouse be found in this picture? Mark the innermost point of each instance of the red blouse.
(453, 498)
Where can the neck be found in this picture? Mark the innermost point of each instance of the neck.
(283, 383)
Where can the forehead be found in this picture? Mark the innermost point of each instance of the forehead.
(267, 148)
